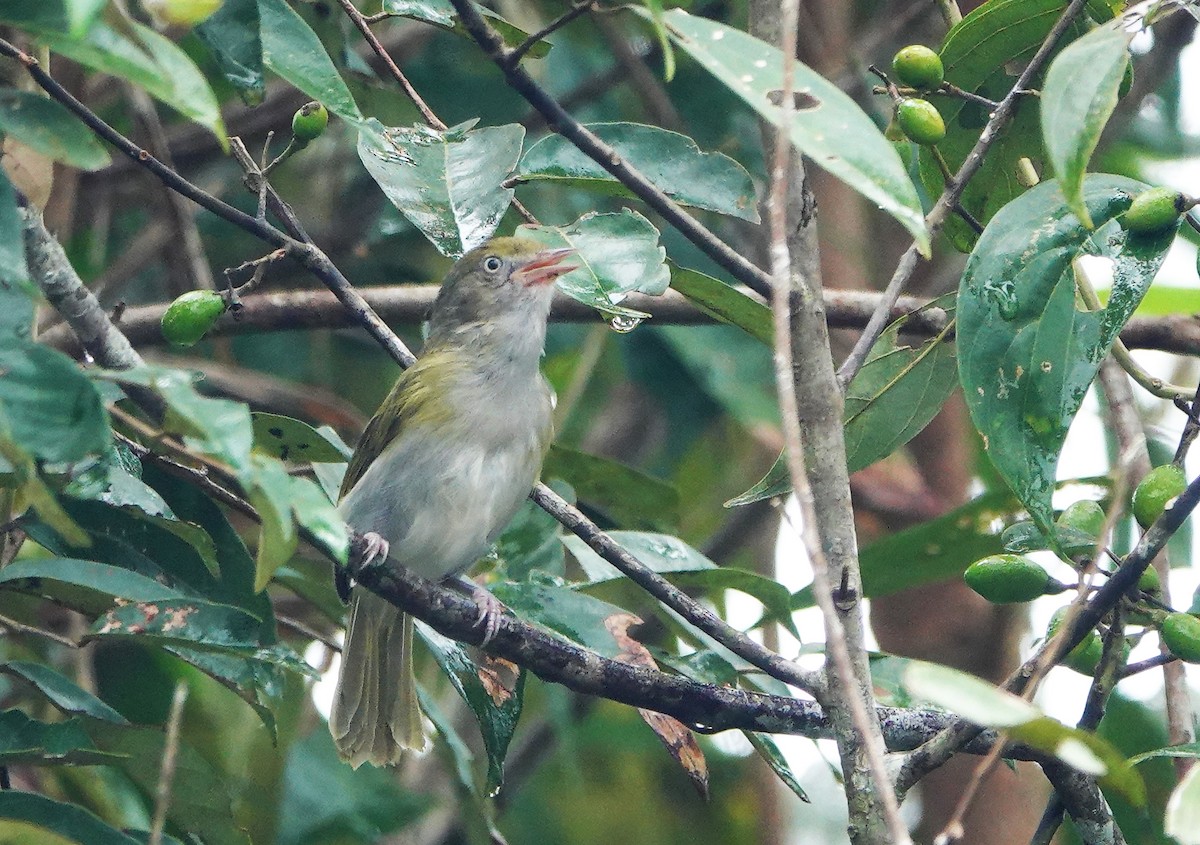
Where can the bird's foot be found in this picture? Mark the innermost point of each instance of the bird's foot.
(366, 550)
(491, 609)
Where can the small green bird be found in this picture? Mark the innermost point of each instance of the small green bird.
(442, 467)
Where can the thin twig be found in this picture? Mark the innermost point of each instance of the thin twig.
(166, 774)
(22, 628)
(1000, 117)
(578, 8)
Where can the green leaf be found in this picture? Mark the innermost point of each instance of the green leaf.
(63, 693)
(112, 582)
(576, 616)
(673, 162)
(983, 54)
(1182, 820)
(725, 303)
(293, 51)
(323, 797)
(277, 538)
(48, 127)
(26, 817)
(777, 482)
(292, 440)
(497, 714)
(1077, 100)
(896, 393)
(978, 701)
(764, 745)
(52, 410)
(148, 59)
(232, 38)
(441, 13)
(17, 294)
(530, 544)
(685, 567)
(1027, 353)
(22, 476)
(616, 253)
(448, 184)
(185, 622)
(827, 126)
(629, 496)
(1185, 750)
(200, 800)
(27, 741)
(735, 371)
(72, 17)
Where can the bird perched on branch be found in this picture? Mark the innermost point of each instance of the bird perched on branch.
(442, 467)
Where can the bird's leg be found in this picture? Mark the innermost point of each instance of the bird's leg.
(366, 550)
(491, 609)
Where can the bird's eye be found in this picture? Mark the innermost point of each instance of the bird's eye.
(492, 264)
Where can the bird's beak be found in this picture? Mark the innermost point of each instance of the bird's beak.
(543, 268)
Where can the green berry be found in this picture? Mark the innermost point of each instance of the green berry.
(189, 317)
(921, 121)
(1149, 581)
(1085, 516)
(1007, 579)
(1181, 635)
(1154, 210)
(309, 122)
(181, 12)
(1160, 486)
(1086, 656)
(918, 66)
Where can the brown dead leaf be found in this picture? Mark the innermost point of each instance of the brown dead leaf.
(499, 677)
(678, 739)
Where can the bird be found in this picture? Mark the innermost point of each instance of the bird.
(441, 468)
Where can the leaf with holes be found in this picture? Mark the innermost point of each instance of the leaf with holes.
(673, 162)
(293, 440)
(616, 253)
(1026, 352)
(1078, 98)
(448, 184)
(827, 126)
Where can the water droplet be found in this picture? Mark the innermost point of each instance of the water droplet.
(495, 792)
(624, 323)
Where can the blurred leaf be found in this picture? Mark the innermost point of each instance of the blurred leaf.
(983, 54)
(932, 551)
(497, 709)
(1183, 810)
(231, 35)
(200, 800)
(735, 370)
(26, 817)
(617, 254)
(897, 392)
(673, 162)
(49, 128)
(107, 580)
(764, 745)
(827, 126)
(17, 295)
(258, 680)
(293, 51)
(292, 440)
(73, 17)
(576, 616)
(1027, 353)
(1078, 98)
(448, 184)
(27, 741)
(324, 800)
(21, 477)
(530, 543)
(978, 701)
(50, 409)
(149, 60)
(277, 538)
(726, 303)
(63, 693)
(1162, 300)
(442, 14)
(630, 497)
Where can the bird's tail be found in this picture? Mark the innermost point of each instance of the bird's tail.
(375, 711)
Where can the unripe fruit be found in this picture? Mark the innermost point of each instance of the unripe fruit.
(1006, 579)
(1181, 635)
(1154, 210)
(309, 122)
(1086, 516)
(1086, 656)
(1149, 581)
(918, 66)
(921, 121)
(181, 12)
(189, 317)
(1160, 486)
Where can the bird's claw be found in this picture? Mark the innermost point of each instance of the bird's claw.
(366, 550)
(491, 609)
